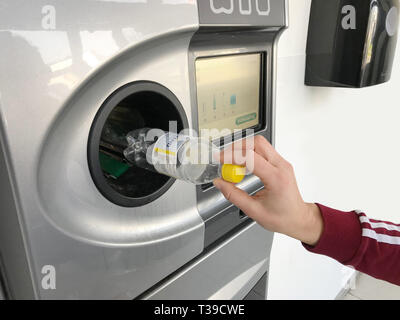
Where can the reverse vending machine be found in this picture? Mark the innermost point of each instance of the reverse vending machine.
(75, 222)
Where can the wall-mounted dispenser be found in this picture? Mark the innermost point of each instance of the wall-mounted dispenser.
(351, 43)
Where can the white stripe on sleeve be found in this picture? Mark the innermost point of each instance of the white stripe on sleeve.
(376, 225)
(384, 238)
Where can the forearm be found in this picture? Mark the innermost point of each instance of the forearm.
(370, 246)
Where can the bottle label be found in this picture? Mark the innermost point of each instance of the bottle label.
(165, 153)
(169, 145)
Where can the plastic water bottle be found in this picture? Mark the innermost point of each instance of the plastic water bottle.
(179, 156)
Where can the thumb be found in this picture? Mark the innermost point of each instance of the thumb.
(238, 197)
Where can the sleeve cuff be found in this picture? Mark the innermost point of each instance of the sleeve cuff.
(341, 237)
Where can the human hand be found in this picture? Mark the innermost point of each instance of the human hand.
(279, 207)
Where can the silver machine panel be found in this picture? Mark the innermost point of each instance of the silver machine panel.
(60, 237)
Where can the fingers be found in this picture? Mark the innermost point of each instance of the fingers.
(266, 150)
(238, 150)
(254, 163)
(238, 197)
(261, 168)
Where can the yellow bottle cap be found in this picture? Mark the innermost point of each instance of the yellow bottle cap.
(233, 173)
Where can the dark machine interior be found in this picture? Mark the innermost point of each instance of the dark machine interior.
(140, 110)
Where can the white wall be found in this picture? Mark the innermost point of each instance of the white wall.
(344, 145)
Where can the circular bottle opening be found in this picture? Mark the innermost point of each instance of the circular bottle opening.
(137, 105)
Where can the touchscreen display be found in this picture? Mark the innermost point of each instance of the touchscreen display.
(228, 93)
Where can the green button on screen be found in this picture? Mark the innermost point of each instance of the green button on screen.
(246, 118)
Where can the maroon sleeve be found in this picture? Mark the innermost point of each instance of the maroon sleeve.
(369, 246)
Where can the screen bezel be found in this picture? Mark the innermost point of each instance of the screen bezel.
(220, 141)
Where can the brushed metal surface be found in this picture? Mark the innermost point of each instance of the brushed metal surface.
(228, 271)
(54, 77)
(75, 206)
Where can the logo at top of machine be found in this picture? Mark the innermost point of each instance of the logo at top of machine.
(262, 7)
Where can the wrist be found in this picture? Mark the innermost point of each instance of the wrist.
(314, 225)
